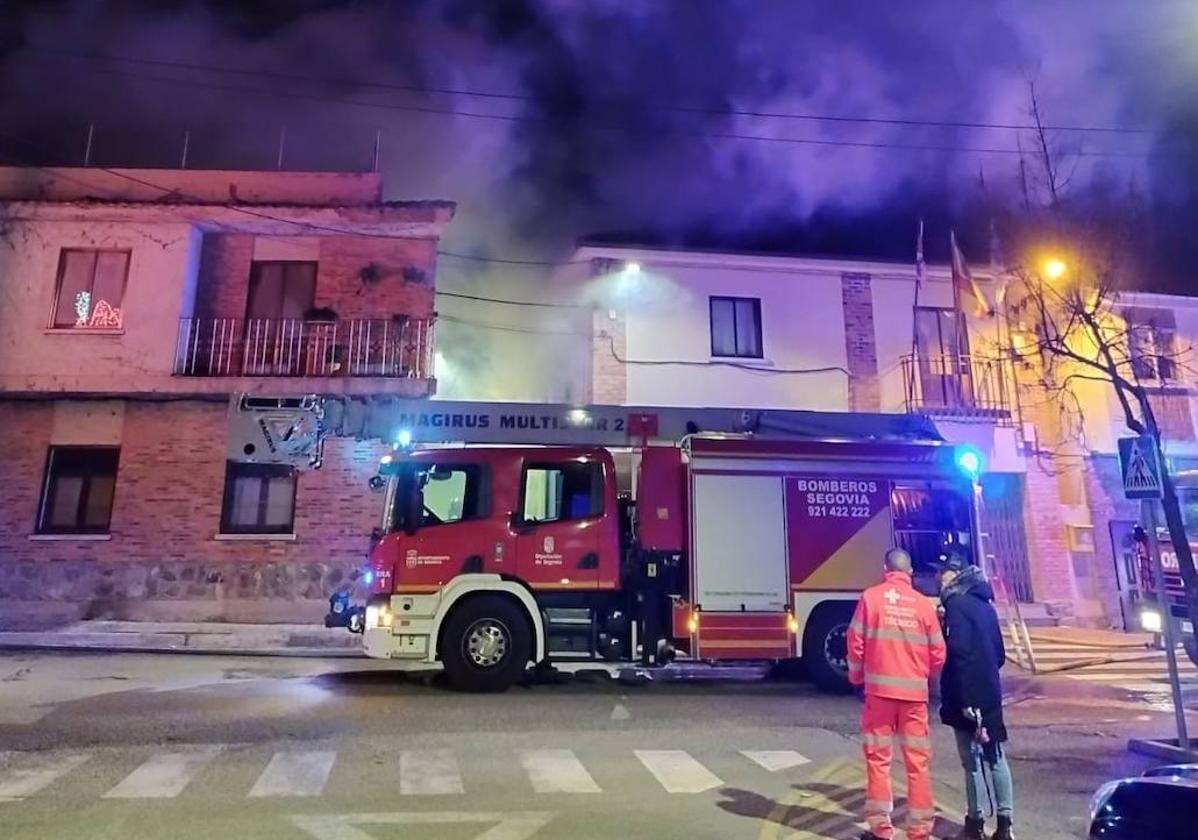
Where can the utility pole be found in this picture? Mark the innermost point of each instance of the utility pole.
(1148, 508)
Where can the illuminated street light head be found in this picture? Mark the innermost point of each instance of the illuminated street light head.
(1054, 269)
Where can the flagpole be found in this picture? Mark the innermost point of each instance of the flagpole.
(919, 278)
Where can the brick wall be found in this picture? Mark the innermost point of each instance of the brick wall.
(399, 276)
(1104, 497)
(166, 513)
(1051, 566)
(222, 288)
(1173, 415)
(860, 346)
(609, 378)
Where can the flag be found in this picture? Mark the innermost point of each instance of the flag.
(921, 267)
(964, 285)
(998, 268)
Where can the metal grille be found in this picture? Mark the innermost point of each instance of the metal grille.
(272, 347)
(1005, 539)
(952, 384)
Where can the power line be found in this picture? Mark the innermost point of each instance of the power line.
(541, 304)
(477, 258)
(296, 222)
(312, 225)
(611, 346)
(518, 97)
(502, 328)
(627, 127)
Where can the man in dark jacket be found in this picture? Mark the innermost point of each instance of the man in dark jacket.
(971, 694)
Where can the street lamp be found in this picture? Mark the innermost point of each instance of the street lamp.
(1054, 269)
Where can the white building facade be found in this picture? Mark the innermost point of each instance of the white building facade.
(691, 328)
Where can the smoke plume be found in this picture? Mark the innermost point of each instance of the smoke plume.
(653, 120)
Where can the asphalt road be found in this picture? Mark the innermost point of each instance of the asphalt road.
(181, 747)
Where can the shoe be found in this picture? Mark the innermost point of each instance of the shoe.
(974, 830)
(1004, 832)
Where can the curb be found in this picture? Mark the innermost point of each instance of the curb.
(198, 650)
(184, 641)
(1164, 749)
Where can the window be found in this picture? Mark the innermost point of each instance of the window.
(930, 523)
(77, 496)
(942, 350)
(454, 493)
(90, 290)
(559, 492)
(1152, 343)
(259, 499)
(736, 327)
(281, 290)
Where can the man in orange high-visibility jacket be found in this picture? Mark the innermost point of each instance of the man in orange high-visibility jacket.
(895, 647)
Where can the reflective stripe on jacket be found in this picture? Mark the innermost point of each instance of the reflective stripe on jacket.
(895, 642)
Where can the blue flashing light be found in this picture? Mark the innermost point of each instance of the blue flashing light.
(404, 438)
(368, 578)
(970, 461)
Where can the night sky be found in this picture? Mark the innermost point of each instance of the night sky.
(753, 124)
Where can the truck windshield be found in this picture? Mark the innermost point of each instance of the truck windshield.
(441, 494)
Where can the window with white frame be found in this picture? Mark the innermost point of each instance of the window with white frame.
(736, 327)
(1152, 344)
(90, 291)
(259, 499)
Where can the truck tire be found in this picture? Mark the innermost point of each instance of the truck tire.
(825, 647)
(486, 644)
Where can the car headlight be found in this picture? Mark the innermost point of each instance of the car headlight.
(1150, 621)
(1101, 797)
(378, 615)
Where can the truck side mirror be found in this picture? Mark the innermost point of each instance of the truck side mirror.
(376, 483)
(519, 524)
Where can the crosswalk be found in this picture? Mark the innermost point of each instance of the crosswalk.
(414, 773)
(1138, 670)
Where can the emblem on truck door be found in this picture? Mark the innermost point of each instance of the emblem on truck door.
(548, 545)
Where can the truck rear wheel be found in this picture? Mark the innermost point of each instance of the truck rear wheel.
(485, 645)
(825, 647)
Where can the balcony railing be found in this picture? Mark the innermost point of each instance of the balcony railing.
(395, 348)
(956, 385)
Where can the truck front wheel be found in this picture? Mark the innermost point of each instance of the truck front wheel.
(825, 647)
(485, 645)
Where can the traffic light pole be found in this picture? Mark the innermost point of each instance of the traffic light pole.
(1148, 510)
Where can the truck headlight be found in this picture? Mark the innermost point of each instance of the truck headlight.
(1150, 621)
(378, 615)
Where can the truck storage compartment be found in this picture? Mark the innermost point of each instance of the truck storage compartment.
(740, 543)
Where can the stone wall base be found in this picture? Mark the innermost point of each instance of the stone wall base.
(255, 592)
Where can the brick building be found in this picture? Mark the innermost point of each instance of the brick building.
(135, 303)
(683, 327)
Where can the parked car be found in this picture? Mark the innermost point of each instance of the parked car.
(1162, 805)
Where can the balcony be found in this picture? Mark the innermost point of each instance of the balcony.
(956, 386)
(338, 353)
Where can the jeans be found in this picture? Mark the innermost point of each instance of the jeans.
(975, 763)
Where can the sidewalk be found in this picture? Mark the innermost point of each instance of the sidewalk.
(198, 637)
(1082, 637)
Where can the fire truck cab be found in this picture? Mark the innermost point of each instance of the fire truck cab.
(716, 548)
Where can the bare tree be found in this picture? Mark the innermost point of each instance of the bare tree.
(1074, 328)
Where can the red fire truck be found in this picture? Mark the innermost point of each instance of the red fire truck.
(636, 535)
